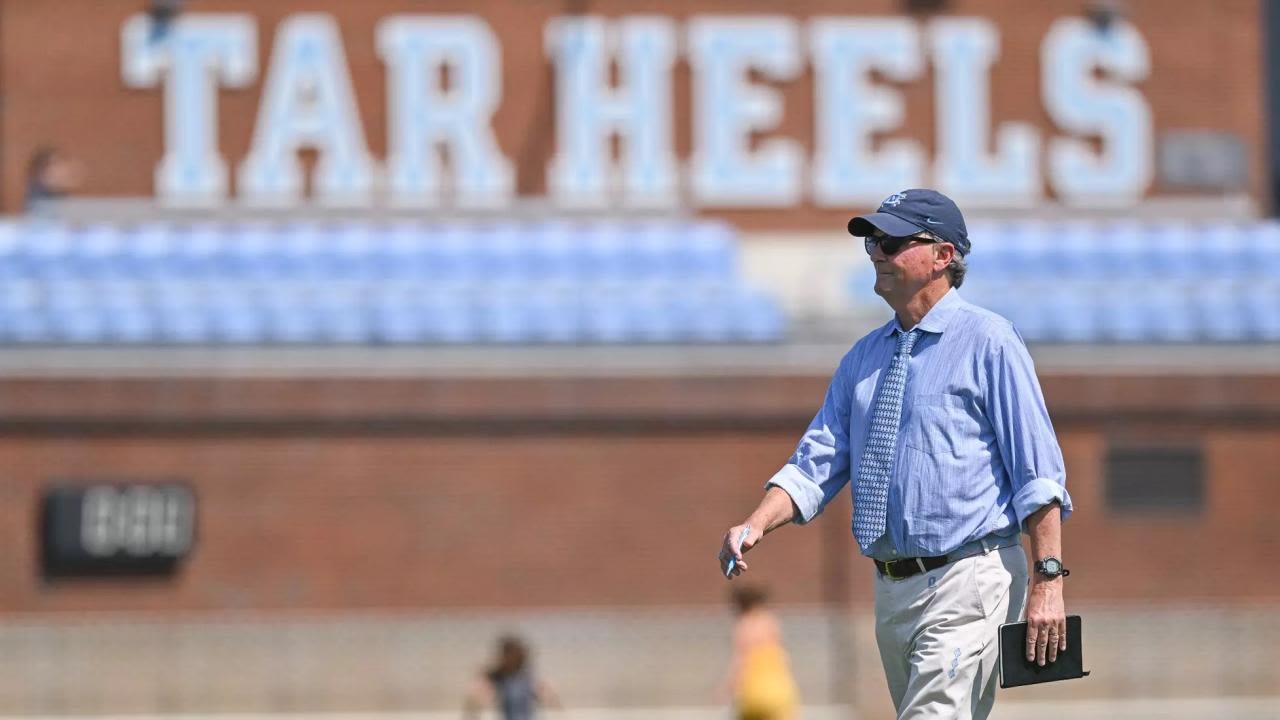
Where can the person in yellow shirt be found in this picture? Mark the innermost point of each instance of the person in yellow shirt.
(759, 673)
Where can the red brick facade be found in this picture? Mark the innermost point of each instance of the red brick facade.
(347, 494)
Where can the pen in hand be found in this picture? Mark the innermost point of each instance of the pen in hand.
(733, 562)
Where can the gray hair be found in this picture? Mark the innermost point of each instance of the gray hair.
(956, 270)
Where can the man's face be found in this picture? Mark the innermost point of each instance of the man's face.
(915, 264)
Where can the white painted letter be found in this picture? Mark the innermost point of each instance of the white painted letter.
(850, 110)
(198, 51)
(963, 51)
(1082, 105)
(588, 111)
(727, 109)
(308, 102)
(421, 113)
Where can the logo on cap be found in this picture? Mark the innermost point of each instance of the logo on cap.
(895, 199)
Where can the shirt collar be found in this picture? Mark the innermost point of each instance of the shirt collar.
(934, 321)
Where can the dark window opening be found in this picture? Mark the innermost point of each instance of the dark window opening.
(1155, 479)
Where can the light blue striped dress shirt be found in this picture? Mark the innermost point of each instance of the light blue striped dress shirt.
(976, 450)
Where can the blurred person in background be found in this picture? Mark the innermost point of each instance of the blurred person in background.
(937, 421)
(51, 176)
(509, 685)
(759, 679)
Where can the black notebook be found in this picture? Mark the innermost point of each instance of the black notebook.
(1016, 669)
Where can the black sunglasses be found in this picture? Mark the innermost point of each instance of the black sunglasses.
(890, 245)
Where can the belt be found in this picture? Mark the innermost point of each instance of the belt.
(903, 568)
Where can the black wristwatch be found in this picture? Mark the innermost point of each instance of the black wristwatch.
(1051, 567)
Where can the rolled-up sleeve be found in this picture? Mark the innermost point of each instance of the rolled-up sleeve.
(1028, 445)
(819, 468)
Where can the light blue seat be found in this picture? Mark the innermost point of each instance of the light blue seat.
(46, 248)
(236, 313)
(1261, 299)
(1220, 310)
(1224, 250)
(654, 250)
(451, 254)
(97, 252)
(602, 253)
(992, 253)
(77, 326)
(1176, 251)
(255, 252)
(22, 307)
(148, 251)
(1064, 312)
(711, 311)
(30, 329)
(198, 251)
(399, 252)
(503, 313)
(1033, 249)
(503, 253)
(74, 312)
(303, 248)
(1169, 312)
(396, 313)
(290, 312)
(708, 252)
(345, 250)
(449, 313)
(1122, 315)
(1121, 252)
(606, 311)
(552, 249)
(554, 313)
(133, 326)
(13, 260)
(413, 312)
(181, 311)
(654, 312)
(758, 317)
(125, 310)
(342, 310)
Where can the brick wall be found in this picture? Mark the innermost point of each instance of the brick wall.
(343, 494)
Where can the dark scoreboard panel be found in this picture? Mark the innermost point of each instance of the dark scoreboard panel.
(112, 529)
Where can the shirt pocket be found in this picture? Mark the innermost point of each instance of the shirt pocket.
(938, 423)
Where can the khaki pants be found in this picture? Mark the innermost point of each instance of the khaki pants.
(937, 633)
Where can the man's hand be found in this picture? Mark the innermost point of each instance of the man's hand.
(1046, 620)
(730, 548)
(775, 510)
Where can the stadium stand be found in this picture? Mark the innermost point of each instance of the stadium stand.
(1125, 282)
(352, 282)
(586, 282)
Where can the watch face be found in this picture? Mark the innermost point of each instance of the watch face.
(1051, 566)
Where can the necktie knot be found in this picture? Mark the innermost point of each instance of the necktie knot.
(907, 340)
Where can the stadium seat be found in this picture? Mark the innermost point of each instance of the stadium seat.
(349, 281)
(450, 313)
(554, 314)
(1261, 300)
(606, 312)
(1219, 307)
(706, 252)
(758, 318)
(236, 316)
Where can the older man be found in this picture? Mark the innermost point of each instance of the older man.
(937, 422)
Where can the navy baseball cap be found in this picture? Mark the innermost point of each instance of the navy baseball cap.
(910, 211)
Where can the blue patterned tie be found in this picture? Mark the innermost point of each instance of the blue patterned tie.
(871, 496)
